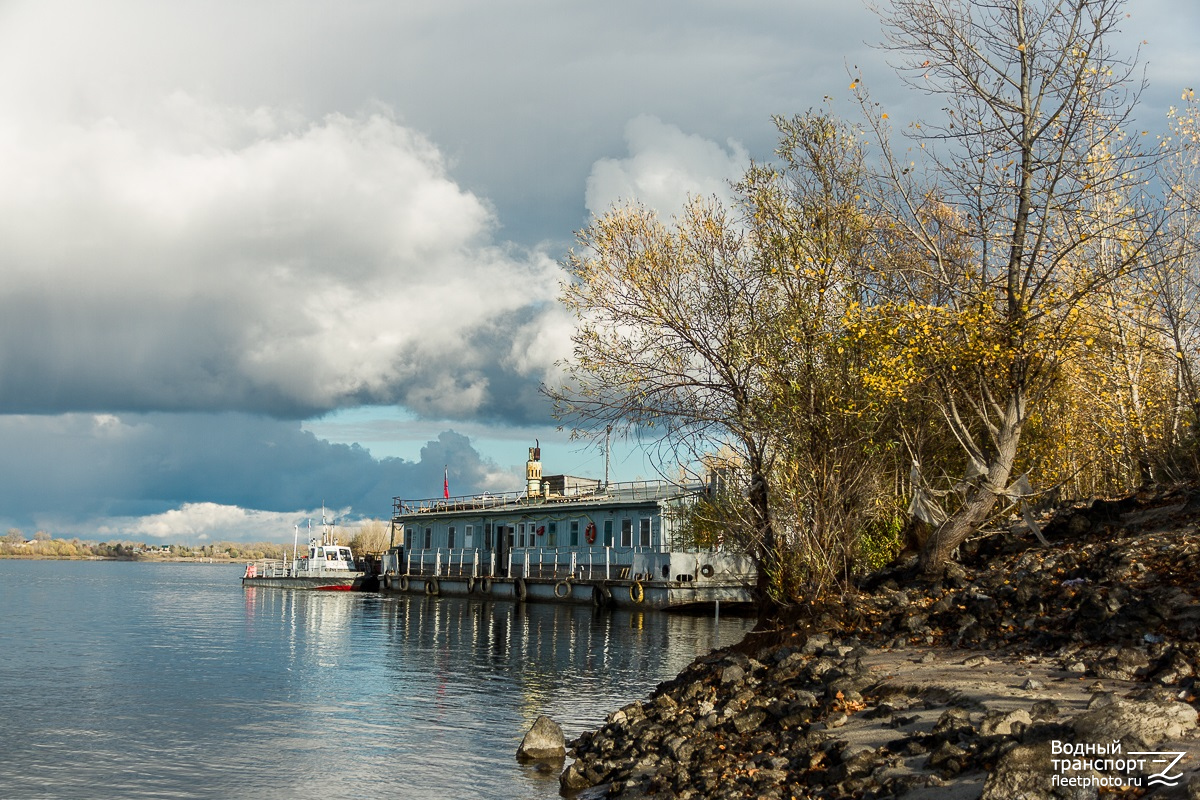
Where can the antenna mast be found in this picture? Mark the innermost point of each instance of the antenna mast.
(607, 434)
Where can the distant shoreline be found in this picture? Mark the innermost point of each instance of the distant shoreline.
(141, 559)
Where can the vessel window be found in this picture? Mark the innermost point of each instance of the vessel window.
(608, 533)
(574, 532)
(469, 537)
(626, 533)
(450, 537)
(521, 535)
(428, 538)
(644, 530)
(552, 534)
(487, 536)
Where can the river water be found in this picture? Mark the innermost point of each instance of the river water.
(128, 680)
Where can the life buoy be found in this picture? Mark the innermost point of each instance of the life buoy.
(522, 589)
(541, 530)
(589, 533)
(404, 583)
(707, 570)
(565, 585)
(636, 593)
(601, 596)
(431, 586)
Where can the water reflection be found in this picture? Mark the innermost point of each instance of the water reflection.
(454, 684)
(174, 681)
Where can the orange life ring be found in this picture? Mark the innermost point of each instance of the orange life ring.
(589, 533)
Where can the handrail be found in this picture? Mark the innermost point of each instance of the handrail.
(625, 490)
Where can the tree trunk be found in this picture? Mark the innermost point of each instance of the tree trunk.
(767, 552)
(982, 498)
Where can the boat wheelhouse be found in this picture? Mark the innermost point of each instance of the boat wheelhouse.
(565, 539)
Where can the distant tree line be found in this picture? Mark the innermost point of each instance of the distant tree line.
(14, 544)
(369, 536)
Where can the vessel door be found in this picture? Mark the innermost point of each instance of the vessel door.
(502, 549)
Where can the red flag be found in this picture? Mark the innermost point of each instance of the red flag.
(446, 484)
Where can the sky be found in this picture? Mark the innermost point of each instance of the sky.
(257, 257)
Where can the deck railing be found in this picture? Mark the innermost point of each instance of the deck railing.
(625, 490)
(266, 568)
(592, 563)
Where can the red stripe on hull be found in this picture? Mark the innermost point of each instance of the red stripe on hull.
(339, 588)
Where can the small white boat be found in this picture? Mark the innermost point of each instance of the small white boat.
(325, 566)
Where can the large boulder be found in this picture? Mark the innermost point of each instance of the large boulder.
(1137, 724)
(1024, 773)
(544, 742)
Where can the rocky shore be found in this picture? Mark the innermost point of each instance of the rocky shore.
(1024, 672)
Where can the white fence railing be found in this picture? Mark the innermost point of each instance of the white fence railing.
(592, 563)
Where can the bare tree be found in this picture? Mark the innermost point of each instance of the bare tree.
(668, 343)
(1036, 106)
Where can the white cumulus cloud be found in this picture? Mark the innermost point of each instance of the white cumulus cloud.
(208, 257)
(665, 166)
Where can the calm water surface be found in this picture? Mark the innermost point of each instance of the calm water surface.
(127, 680)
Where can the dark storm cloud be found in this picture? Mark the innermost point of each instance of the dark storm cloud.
(107, 475)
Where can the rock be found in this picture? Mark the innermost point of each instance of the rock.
(1044, 709)
(733, 674)
(1023, 774)
(953, 719)
(1033, 685)
(816, 643)
(573, 778)
(976, 661)
(1005, 724)
(837, 721)
(1139, 725)
(1173, 669)
(543, 742)
(749, 720)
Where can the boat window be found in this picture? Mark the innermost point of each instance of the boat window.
(428, 538)
(487, 536)
(469, 536)
(644, 530)
(552, 534)
(608, 533)
(626, 533)
(450, 537)
(521, 535)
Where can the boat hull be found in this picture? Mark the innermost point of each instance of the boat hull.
(626, 594)
(352, 582)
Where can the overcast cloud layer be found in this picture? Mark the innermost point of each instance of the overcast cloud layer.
(221, 220)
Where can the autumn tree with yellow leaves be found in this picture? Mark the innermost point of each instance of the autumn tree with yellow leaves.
(1002, 212)
(1002, 298)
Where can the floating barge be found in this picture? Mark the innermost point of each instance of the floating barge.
(563, 540)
